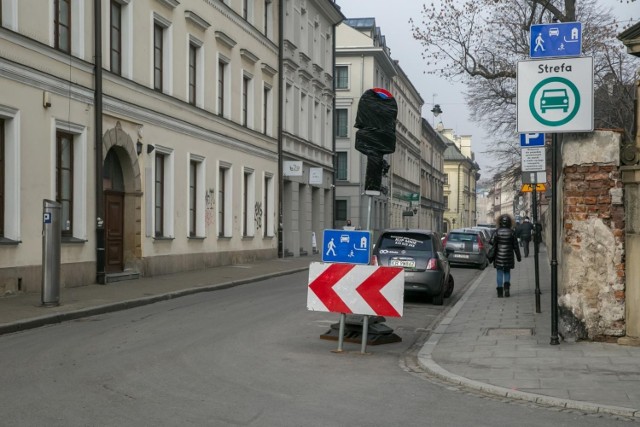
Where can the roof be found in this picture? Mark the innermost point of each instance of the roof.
(361, 23)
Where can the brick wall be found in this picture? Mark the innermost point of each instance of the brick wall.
(593, 219)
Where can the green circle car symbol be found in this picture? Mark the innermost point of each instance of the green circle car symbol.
(554, 99)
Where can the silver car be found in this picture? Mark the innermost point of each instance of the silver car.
(465, 246)
(420, 253)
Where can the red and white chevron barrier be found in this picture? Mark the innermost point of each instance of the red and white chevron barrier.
(356, 289)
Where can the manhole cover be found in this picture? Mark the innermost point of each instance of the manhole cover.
(510, 331)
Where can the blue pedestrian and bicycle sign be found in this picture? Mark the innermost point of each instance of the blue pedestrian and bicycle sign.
(346, 246)
(559, 39)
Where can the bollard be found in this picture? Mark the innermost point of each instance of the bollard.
(51, 235)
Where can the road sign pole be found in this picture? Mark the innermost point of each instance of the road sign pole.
(341, 333)
(534, 205)
(554, 239)
(365, 330)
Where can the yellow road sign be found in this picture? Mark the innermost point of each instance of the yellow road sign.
(528, 188)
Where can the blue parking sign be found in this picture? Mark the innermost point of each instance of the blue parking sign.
(531, 140)
(346, 246)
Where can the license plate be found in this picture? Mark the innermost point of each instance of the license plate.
(461, 256)
(402, 263)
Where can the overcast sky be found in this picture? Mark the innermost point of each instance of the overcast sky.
(392, 16)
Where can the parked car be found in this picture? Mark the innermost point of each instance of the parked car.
(466, 246)
(421, 254)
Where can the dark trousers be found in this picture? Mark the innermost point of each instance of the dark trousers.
(525, 246)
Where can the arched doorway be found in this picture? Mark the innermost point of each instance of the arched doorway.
(113, 185)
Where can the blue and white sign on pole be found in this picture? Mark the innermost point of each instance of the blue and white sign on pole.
(555, 40)
(531, 140)
(348, 246)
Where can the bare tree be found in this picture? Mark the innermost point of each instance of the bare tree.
(479, 42)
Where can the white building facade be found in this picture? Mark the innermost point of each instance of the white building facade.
(307, 123)
(180, 169)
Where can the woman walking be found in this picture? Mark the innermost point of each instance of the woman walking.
(505, 246)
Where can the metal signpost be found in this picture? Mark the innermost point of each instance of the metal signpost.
(353, 247)
(555, 95)
(534, 180)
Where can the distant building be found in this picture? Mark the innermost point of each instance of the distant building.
(461, 174)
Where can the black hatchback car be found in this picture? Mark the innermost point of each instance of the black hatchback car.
(420, 253)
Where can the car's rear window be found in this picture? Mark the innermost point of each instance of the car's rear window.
(407, 241)
(462, 237)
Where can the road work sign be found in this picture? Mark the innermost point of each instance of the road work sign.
(555, 95)
(356, 289)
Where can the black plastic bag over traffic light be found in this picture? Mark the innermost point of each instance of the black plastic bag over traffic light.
(376, 121)
(376, 135)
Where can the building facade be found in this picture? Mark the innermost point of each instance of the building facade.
(461, 175)
(162, 151)
(406, 161)
(307, 123)
(431, 213)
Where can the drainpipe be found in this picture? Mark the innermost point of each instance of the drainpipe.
(100, 232)
(458, 218)
(280, 119)
(333, 131)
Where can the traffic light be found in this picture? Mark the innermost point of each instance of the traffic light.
(376, 135)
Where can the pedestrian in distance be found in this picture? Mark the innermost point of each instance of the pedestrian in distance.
(506, 251)
(526, 231)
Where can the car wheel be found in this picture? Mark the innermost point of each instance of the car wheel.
(439, 299)
(449, 290)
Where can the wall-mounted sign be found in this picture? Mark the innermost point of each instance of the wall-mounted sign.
(292, 168)
(315, 175)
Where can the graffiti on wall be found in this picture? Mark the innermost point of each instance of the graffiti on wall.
(209, 207)
(258, 216)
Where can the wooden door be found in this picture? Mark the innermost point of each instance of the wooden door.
(114, 231)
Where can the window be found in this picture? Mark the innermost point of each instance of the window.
(248, 202)
(446, 178)
(341, 122)
(158, 60)
(193, 191)
(341, 210)
(159, 183)
(267, 18)
(222, 71)
(446, 202)
(224, 201)
(2, 173)
(64, 180)
(342, 77)
(193, 52)
(268, 207)
(62, 25)
(197, 195)
(304, 119)
(341, 174)
(115, 39)
(245, 100)
(266, 110)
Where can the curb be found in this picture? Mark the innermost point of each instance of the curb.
(36, 322)
(425, 360)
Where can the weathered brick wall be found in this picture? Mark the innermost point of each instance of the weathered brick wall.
(592, 296)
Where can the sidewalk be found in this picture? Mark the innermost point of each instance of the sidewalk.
(498, 346)
(24, 311)
(502, 346)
